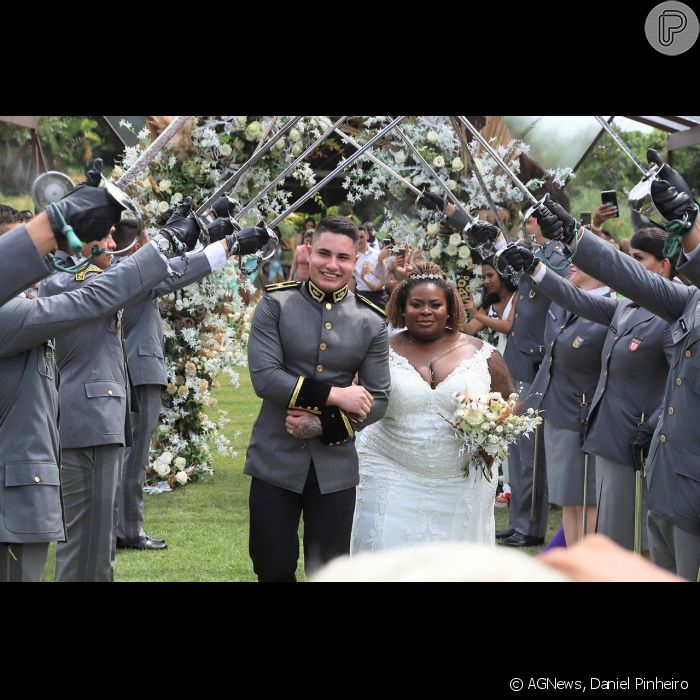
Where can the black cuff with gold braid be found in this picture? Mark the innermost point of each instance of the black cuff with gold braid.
(336, 426)
(310, 395)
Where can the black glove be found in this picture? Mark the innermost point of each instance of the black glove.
(181, 230)
(482, 231)
(671, 194)
(250, 239)
(518, 257)
(94, 175)
(225, 206)
(430, 200)
(639, 444)
(220, 228)
(559, 225)
(88, 209)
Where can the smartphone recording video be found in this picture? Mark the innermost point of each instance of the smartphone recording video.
(610, 197)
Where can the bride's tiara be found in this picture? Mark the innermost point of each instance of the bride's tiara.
(426, 276)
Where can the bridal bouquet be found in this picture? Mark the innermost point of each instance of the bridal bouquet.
(489, 423)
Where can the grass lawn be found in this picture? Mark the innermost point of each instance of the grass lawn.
(206, 524)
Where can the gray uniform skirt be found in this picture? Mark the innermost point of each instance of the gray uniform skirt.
(615, 484)
(565, 467)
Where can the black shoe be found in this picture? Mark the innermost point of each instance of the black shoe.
(517, 539)
(157, 540)
(143, 542)
(502, 534)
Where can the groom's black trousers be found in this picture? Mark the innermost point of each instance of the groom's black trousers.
(274, 521)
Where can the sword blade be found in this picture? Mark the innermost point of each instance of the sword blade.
(289, 169)
(432, 172)
(151, 152)
(465, 145)
(487, 147)
(616, 138)
(374, 159)
(340, 168)
(248, 164)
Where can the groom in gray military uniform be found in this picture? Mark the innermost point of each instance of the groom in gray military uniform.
(307, 343)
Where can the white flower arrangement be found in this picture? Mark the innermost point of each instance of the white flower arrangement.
(489, 423)
(206, 324)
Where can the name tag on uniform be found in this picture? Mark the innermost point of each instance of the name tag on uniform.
(635, 343)
(549, 311)
(578, 342)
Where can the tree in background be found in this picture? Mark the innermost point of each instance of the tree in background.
(607, 168)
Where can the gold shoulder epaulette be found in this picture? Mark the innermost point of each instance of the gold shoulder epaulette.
(372, 306)
(291, 284)
(80, 276)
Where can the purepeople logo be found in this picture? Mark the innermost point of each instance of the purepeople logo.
(672, 28)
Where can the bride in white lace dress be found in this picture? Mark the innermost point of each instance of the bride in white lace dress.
(412, 485)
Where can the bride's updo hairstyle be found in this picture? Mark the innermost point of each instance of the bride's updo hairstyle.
(423, 273)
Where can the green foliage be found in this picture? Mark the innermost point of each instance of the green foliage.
(69, 142)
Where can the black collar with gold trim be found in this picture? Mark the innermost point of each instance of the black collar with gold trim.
(317, 294)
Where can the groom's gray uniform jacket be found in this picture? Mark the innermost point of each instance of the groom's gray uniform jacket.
(302, 343)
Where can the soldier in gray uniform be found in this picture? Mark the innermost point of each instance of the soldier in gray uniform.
(523, 354)
(30, 481)
(562, 389)
(673, 467)
(635, 362)
(144, 348)
(95, 396)
(307, 343)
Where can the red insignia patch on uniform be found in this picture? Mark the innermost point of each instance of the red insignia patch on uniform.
(634, 344)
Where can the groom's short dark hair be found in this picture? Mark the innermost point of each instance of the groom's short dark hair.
(337, 224)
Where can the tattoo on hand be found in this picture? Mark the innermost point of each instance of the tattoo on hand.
(309, 427)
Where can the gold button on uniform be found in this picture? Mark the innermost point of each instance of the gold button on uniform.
(37, 479)
(670, 410)
(327, 325)
(679, 381)
(109, 392)
(319, 368)
(329, 306)
(688, 353)
(662, 438)
(322, 346)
